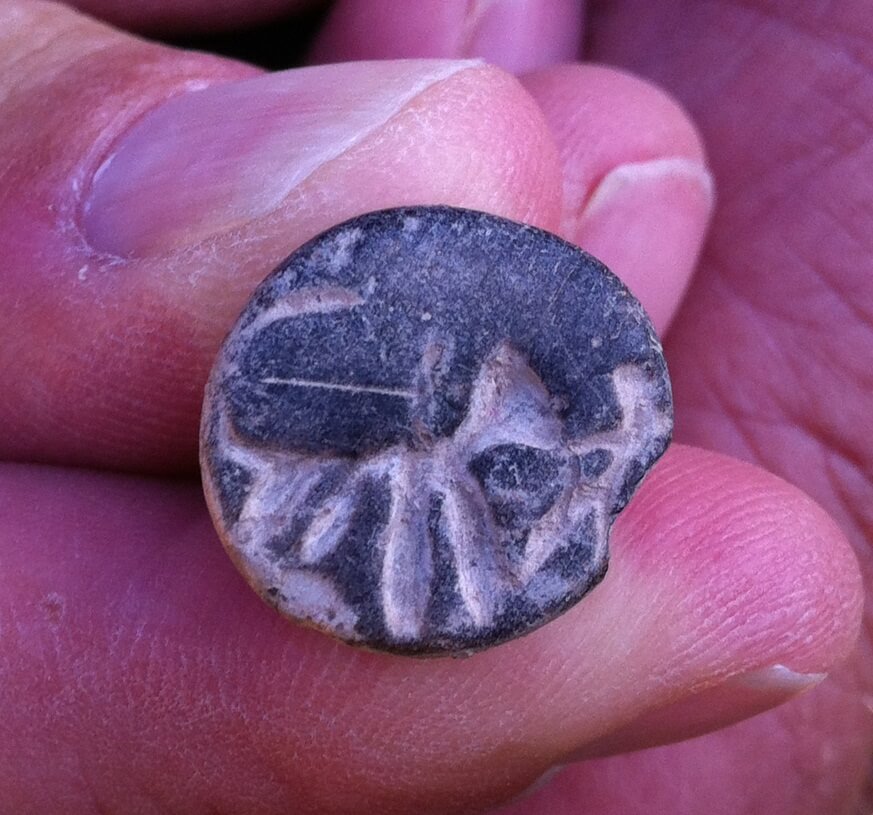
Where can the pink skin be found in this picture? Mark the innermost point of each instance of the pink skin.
(517, 35)
(788, 273)
(636, 189)
(138, 672)
(160, 677)
(131, 312)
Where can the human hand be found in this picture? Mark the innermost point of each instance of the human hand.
(139, 674)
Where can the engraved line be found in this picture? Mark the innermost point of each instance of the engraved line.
(406, 561)
(326, 529)
(336, 386)
(306, 301)
(235, 448)
(463, 522)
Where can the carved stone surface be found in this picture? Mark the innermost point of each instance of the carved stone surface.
(423, 425)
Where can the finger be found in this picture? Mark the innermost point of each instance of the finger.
(517, 35)
(636, 192)
(157, 673)
(143, 204)
(194, 203)
(733, 770)
(786, 380)
(188, 15)
(788, 273)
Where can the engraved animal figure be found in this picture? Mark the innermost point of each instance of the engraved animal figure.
(458, 536)
(421, 428)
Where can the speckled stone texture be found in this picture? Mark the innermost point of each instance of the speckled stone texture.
(421, 428)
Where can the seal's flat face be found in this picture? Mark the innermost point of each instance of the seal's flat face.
(421, 428)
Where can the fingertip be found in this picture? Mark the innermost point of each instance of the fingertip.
(636, 189)
(634, 117)
(755, 566)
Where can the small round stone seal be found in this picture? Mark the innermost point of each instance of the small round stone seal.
(422, 426)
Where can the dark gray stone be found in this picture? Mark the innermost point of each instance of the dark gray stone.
(421, 428)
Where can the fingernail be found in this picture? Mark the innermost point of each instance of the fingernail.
(214, 159)
(778, 680)
(654, 210)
